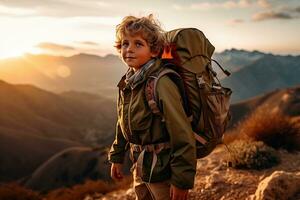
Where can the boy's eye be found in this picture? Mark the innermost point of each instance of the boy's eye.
(139, 44)
(124, 44)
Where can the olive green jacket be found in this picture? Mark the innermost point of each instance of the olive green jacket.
(137, 124)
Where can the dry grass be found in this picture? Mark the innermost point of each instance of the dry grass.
(272, 128)
(232, 135)
(78, 192)
(13, 191)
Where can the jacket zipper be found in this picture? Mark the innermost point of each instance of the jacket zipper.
(129, 108)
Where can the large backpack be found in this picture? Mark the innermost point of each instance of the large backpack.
(187, 61)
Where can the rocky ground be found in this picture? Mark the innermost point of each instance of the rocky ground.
(216, 181)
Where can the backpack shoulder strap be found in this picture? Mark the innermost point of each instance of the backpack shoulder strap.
(151, 89)
(150, 93)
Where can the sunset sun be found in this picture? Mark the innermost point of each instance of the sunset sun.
(17, 50)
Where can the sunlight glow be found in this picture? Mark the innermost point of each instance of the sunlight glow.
(63, 71)
(16, 51)
(49, 69)
(22, 35)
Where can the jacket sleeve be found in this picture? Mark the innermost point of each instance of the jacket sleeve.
(183, 145)
(118, 148)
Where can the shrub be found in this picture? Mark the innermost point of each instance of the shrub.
(274, 129)
(245, 154)
(13, 191)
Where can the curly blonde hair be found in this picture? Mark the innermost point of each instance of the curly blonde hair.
(147, 27)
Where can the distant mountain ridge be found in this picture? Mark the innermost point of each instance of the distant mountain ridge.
(235, 59)
(263, 75)
(82, 72)
(253, 72)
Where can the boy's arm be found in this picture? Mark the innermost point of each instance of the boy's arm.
(117, 150)
(183, 145)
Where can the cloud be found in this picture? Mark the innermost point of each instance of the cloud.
(235, 22)
(5, 10)
(282, 12)
(205, 5)
(88, 47)
(229, 4)
(48, 46)
(52, 3)
(61, 8)
(271, 15)
(177, 7)
(264, 3)
(88, 43)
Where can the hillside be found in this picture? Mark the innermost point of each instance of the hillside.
(21, 153)
(70, 115)
(59, 171)
(35, 124)
(287, 101)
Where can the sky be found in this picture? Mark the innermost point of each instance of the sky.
(67, 27)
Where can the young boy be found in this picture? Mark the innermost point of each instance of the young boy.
(162, 147)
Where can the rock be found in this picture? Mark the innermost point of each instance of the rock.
(280, 185)
(214, 179)
(69, 167)
(96, 196)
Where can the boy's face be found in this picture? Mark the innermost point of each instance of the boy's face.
(135, 51)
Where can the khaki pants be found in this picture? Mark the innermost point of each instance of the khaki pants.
(150, 191)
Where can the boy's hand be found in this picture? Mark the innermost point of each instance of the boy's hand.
(178, 194)
(116, 171)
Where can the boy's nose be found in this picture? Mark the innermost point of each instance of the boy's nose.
(130, 48)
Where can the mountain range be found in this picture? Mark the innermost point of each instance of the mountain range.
(267, 73)
(82, 72)
(253, 72)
